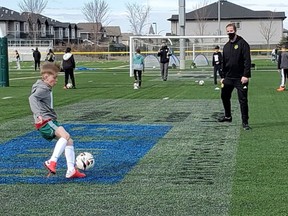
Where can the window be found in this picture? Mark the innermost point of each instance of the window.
(237, 24)
(26, 27)
(51, 30)
(17, 29)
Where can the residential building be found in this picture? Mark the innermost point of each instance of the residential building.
(257, 27)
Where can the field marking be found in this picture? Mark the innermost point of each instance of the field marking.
(5, 98)
(195, 159)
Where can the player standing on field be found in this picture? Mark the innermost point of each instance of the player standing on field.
(41, 104)
(216, 63)
(138, 68)
(236, 71)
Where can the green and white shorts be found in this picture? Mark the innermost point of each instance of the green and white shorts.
(48, 130)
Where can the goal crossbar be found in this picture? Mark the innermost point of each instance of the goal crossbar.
(168, 38)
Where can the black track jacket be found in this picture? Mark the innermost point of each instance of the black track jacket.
(236, 59)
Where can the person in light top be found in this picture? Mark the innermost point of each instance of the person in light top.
(138, 68)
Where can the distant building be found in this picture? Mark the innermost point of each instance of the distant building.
(27, 28)
(252, 25)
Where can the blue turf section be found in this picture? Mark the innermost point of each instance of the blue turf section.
(116, 149)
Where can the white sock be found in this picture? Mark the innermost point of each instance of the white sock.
(70, 158)
(58, 149)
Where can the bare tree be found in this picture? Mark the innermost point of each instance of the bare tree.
(31, 8)
(267, 29)
(96, 12)
(201, 14)
(137, 16)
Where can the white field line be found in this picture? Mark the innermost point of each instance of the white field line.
(33, 77)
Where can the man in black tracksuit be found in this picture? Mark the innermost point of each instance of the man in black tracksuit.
(164, 54)
(37, 58)
(236, 71)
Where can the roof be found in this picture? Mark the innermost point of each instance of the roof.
(89, 27)
(126, 36)
(113, 30)
(10, 15)
(229, 11)
(43, 19)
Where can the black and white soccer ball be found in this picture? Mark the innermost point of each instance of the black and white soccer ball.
(85, 161)
(201, 82)
(69, 86)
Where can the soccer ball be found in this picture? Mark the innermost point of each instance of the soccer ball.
(69, 85)
(135, 86)
(201, 82)
(85, 161)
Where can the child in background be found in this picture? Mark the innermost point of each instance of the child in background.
(283, 67)
(138, 68)
(50, 56)
(216, 62)
(41, 104)
(17, 56)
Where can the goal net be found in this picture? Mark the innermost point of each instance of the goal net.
(186, 50)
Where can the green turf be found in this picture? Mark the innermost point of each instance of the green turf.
(200, 167)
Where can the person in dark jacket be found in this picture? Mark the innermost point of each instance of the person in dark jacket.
(283, 67)
(68, 65)
(216, 63)
(164, 54)
(37, 58)
(50, 56)
(235, 73)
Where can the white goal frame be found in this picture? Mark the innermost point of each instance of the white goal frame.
(168, 38)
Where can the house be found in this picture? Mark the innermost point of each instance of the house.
(30, 29)
(126, 38)
(90, 31)
(255, 26)
(112, 34)
(11, 23)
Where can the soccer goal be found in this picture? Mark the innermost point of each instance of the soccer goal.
(184, 49)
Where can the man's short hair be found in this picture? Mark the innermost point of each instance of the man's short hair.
(233, 25)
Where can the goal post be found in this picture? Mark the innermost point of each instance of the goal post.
(153, 42)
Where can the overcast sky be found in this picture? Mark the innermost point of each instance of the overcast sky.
(71, 10)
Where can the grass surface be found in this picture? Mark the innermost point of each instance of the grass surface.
(201, 167)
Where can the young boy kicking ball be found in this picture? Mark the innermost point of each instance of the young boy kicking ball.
(41, 104)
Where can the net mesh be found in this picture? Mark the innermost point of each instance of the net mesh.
(197, 49)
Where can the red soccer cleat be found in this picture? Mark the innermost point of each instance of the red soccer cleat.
(75, 174)
(50, 166)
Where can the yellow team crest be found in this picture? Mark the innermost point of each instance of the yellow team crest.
(236, 46)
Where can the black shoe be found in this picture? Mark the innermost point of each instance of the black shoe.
(225, 119)
(246, 126)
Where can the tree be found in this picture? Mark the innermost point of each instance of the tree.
(201, 13)
(32, 7)
(267, 30)
(96, 12)
(137, 16)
